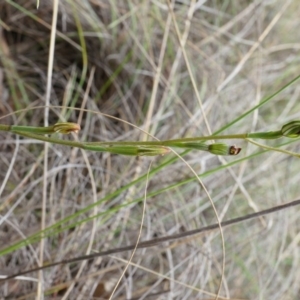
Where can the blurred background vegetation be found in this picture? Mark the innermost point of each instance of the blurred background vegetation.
(123, 58)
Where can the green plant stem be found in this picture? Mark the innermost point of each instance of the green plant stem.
(149, 148)
(126, 148)
(30, 129)
(181, 143)
(21, 130)
(193, 142)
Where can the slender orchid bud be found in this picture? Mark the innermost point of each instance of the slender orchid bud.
(269, 135)
(131, 150)
(223, 149)
(291, 129)
(66, 127)
(152, 150)
(217, 149)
